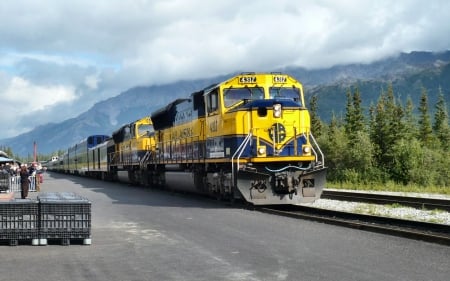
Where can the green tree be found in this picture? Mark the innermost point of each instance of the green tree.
(333, 144)
(316, 123)
(379, 130)
(441, 126)
(425, 134)
(407, 160)
(387, 127)
(348, 112)
(359, 158)
(410, 123)
(358, 113)
(354, 116)
(394, 115)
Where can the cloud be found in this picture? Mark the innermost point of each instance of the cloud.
(76, 53)
(22, 98)
(34, 97)
(92, 81)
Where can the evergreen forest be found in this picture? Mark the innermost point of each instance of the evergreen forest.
(388, 146)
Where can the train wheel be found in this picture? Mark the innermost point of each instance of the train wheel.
(143, 178)
(231, 198)
(218, 196)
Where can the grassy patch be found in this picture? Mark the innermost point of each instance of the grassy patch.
(437, 212)
(394, 205)
(368, 209)
(390, 186)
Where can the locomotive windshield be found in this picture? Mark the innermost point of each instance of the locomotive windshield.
(232, 96)
(285, 93)
(145, 130)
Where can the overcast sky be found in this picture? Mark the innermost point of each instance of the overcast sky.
(58, 58)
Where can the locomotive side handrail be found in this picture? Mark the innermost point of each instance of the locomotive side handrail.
(239, 152)
(316, 145)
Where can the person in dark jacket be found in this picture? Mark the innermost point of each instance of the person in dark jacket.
(24, 181)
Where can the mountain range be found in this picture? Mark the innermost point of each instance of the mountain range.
(407, 72)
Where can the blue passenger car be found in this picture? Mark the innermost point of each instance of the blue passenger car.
(76, 159)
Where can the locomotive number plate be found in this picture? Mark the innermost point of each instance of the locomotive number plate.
(279, 79)
(247, 79)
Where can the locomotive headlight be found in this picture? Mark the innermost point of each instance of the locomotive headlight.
(277, 110)
(307, 150)
(261, 151)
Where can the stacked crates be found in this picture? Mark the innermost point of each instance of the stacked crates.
(4, 181)
(19, 220)
(64, 216)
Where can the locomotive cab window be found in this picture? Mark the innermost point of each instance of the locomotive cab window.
(126, 133)
(146, 130)
(133, 130)
(232, 96)
(285, 93)
(212, 101)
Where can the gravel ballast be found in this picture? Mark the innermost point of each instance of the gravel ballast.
(395, 211)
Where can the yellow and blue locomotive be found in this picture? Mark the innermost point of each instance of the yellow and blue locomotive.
(248, 137)
(130, 146)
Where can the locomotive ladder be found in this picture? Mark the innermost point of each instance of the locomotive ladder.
(238, 154)
(145, 159)
(320, 161)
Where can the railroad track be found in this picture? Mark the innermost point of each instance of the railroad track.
(416, 202)
(430, 232)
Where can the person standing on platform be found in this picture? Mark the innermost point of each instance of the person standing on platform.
(24, 181)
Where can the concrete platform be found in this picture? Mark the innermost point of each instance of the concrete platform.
(6, 196)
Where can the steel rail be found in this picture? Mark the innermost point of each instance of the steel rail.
(430, 232)
(416, 202)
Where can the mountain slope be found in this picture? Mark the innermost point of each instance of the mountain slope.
(332, 98)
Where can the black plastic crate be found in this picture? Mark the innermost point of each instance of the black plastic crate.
(13, 234)
(19, 219)
(4, 181)
(60, 197)
(64, 215)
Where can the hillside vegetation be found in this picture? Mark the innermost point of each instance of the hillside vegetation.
(387, 147)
